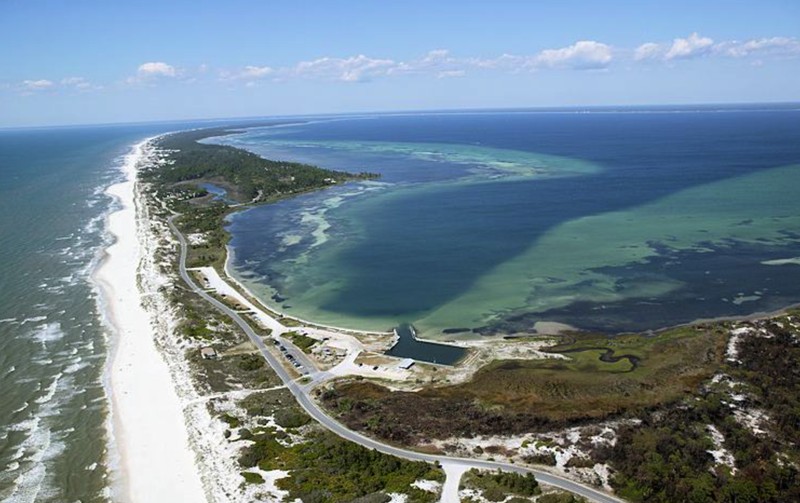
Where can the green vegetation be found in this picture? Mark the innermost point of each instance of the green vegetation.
(232, 421)
(303, 342)
(326, 468)
(253, 478)
(323, 467)
(249, 363)
(543, 458)
(497, 486)
(228, 371)
(559, 497)
(666, 457)
(267, 403)
(195, 322)
(603, 377)
(208, 222)
(373, 498)
(289, 418)
(247, 177)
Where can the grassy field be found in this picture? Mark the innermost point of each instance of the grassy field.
(513, 396)
(648, 371)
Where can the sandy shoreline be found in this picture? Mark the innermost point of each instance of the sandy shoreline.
(148, 430)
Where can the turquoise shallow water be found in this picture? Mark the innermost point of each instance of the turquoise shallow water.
(612, 221)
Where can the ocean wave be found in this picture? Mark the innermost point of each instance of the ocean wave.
(75, 367)
(51, 390)
(49, 332)
(24, 406)
(41, 444)
(33, 319)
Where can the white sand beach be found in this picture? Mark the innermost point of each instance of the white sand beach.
(149, 435)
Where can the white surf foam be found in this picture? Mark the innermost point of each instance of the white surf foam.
(49, 332)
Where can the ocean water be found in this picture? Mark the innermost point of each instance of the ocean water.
(611, 221)
(53, 341)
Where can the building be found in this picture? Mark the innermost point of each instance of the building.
(208, 353)
(406, 364)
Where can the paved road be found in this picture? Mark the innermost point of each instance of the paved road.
(306, 402)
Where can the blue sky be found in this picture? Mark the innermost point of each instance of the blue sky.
(72, 62)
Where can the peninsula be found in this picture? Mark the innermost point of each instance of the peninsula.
(283, 408)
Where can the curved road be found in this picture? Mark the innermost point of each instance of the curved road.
(301, 395)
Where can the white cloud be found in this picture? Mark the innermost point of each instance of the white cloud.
(353, 69)
(583, 55)
(437, 62)
(28, 87)
(152, 71)
(502, 62)
(156, 69)
(649, 50)
(78, 84)
(248, 73)
(436, 58)
(37, 85)
(692, 46)
(255, 72)
(774, 46)
(440, 63)
(360, 68)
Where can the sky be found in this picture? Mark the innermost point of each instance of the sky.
(98, 61)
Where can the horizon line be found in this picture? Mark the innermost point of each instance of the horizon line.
(677, 107)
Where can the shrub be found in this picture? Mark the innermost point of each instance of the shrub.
(541, 458)
(248, 363)
(373, 498)
(252, 478)
(290, 418)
